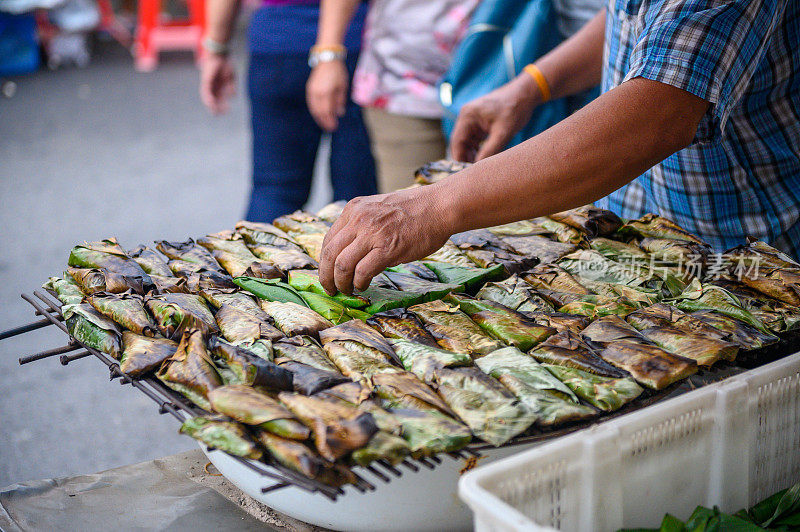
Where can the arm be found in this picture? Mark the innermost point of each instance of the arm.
(591, 153)
(326, 89)
(486, 125)
(217, 75)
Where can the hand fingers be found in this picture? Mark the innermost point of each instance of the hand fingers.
(465, 137)
(344, 267)
(341, 102)
(331, 248)
(371, 265)
(494, 143)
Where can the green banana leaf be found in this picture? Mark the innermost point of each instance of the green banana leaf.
(619, 251)
(699, 296)
(429, 432)
(423, 360)
(249, 368)
(223, 435)
(586, 307)
(175, 313)
(308, 281)
(251, 407)
(190, 370)
(141, 354)
(270, 289)
(470, 277)
(108, 254)
(604, 393)
(150, 261)
(126, 309)
(513, 362)
(92, 329)
(738, 332)
(382, 446)
(417, 269)
(515, 294)
(66, 290)
(331, 309)
(411, 283)
(382, 299)
(454, 330)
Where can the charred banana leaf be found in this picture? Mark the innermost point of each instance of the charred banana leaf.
(175, 285)
(261, 234)
(150, 261)
(382, 446)
(141, 354)
(338, 428)
(189, 251)
(350, 392)
(294, 319)
(199, 278)
(303, 349)
(663, 315)
(604, 393)
(400, 323)
(271, 290)
(251, 407)
(537, 247)
(559, 321)
(92, 329)
(125, 309)
(300, 222)
(501, 322)
(284, 259)
(218, 433)
(561, 231)
(109, 255)
(424, 361)
(515, 294)
(491, 412)
(190, 370)
(309, 380)
(94, 280)
(300, 458)
(653, 226)
(547, 398)
(619, 251)
(699, 296)
(359, 337)
(758, 254)
(449, 254)
(591, 220)
(780, 284)
(454, 330)
(435, 171)
(249, 368)
(555, 278)
(469, 277)
(429, 432)
(233, 298)
(703, 350)
(360, 365)
(235, 257)
(404, 390)
(66, 290)
(175, 313)
(486, 250)
(569, 350)
(308, 281)
(677, 252)
(738, 332)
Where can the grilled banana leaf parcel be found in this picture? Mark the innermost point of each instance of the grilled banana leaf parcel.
(308, 281)
(331, 212)
(189, 251)
(309, 380)
(175, 285)
(382, 446)
(542, 249)
(704, 296)
(515, 294)
(777, 283)
(776, 315)
(248, 368)
(151, 261)
(241, 300)
(761, 255)
(594, 306)
(298, 457)
(450, 254)
(663, 315)
(604, 393)
(435, 171)
(359, 365)
(141, 354)
(423, 360)
(294, 319)
(125, 309)
(261, 234)
(382, 299)
(491, 412)
(591, 265)
(219, 433)
(338, 428)
(569, 350)
(92, 329)
(508, 326)
(199, 278)
(93, 280)
(590, 219)
(555, 278)
(174, 313)
(66, 290)
(625, 348)
(417, 269)
(677, 252)
(109, 255)
(305, 350)
(639, 296)
(251, 407)
(520, 228)
(235, 257)
(738, 332)
(702, 349)
(470, 277)
(331, 309)
(359, 337)
(429, 432)
(486, 250)
(561, 231)
(560, 322)
(311, 244)
(619, 251)
(400, 323)
(552, 402)
(190, 370)
(412, 283)
(404, 390)
(454, 330)
(300, 222)
(284, 259)
(653, 226)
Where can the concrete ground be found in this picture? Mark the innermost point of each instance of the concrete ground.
(86, 154)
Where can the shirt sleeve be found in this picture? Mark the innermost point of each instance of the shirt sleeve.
(708, 48)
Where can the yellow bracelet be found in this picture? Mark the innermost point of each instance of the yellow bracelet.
(336, 48)
(534, 72)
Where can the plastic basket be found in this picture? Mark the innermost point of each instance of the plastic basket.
(728, 444)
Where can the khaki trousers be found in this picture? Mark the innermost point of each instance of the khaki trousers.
(401, 144)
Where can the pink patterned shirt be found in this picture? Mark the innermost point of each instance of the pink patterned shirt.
(406, 49)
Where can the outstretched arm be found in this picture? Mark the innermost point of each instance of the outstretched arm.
(486, 125)
(583, 158)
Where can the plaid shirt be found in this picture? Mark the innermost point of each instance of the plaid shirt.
(741, 175)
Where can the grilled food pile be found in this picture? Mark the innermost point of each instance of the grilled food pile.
(503, 331)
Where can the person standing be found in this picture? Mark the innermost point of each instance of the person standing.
(285, 137)
(406, 49)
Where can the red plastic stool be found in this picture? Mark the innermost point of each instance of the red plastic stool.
(153, 35)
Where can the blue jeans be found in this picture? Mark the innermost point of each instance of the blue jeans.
(285, 136)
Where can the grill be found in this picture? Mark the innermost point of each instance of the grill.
(279, 477)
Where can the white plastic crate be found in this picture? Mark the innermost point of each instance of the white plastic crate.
(729, 444)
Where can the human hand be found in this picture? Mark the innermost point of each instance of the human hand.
(326, 93)
(376, 232)
(486, 125)
(217, 82)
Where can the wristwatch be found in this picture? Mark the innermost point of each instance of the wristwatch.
(326, 54)
(215, 47)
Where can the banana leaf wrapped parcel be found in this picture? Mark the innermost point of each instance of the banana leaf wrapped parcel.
(429, 432)
(542, 249)
(299, 223)
(417, 269)
(298, 457)
(555, 278)
(331, 212)
(407, 391)
(515, 294)
(702, 349)
(219, 433)
(454, 330)
(235, 257)
(257, 233)
(109, 255)
(174, 313)
(435, 171)
(470, 277)
(411, 283)
(238, 326)
(382, 446)
(486, 250)
(92, 329)
(569, 350)
(93, 280)
(550, 400)
(308, 281)
(251, 407)
(450, 254)
(559, 321)
(189, 251)
(654, 226)
(305, 350)
(179, 285)
(125, 309)
(738, 332)
(141, 354)
(294, 319)
(400, 323)
(191, 371)
(424, 361)
(705, 296)
(65, 289)
(150, 261)
(358, 351)
(310, 380)
(242, 366)
(590, 219)
(604, 393)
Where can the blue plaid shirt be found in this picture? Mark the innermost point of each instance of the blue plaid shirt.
(741, 175)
